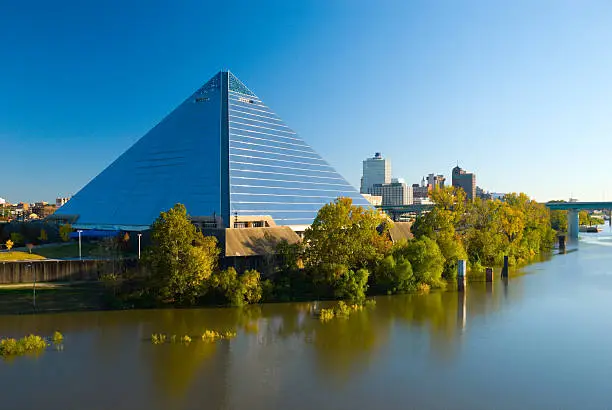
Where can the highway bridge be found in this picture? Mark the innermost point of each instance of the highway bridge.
(395, 211)
(572, 215)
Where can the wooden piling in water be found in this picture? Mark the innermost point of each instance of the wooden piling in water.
(489, 274)
(561, 239)
(504, 272)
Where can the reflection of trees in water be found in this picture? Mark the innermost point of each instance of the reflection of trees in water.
(344, 347)
(446, 316)
(341, 348)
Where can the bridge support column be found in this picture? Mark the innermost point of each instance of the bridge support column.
(572, 224)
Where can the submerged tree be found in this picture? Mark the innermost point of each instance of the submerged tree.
(236, 290)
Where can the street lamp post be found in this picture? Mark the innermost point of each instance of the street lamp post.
(139, 235)
(80, 232)
(29, 266)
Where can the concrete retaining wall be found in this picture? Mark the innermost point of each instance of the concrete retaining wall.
(53, 271)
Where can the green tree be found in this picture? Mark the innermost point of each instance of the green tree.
(426, 260)
(236, 290)
(451, 246)
(65, 231)
(43, 235)
(394, 275)
(180, 259)
(348, 235)
(251, 286)
(558, 220)
(352, 285)
(585, 218)
(441, 224)
(17, 238)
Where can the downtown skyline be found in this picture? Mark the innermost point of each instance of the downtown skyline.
(516, 93)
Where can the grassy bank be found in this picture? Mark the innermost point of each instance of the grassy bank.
(68, 250)
(19, 256)
(18, 299)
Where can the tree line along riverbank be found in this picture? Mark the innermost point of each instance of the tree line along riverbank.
(346, 254)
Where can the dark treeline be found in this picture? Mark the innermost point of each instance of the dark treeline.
(347, 253)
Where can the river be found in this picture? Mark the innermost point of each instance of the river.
(541, 340)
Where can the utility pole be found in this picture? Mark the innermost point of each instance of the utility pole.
(80, 256)
(139, 235)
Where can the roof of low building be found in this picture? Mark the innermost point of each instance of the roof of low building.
(257, 241)
(400, 230)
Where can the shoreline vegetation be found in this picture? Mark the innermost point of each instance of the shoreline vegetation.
(346, 255)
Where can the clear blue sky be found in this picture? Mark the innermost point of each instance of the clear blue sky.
(519, 92)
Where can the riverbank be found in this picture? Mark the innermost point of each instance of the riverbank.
(25, 298)
(55, 297)
(63, 250)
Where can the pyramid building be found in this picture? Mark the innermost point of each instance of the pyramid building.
(224, 155)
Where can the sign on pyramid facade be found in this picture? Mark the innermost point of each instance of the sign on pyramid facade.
(223, 154)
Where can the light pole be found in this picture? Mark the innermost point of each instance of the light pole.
(80, 232)
(139, 235)
(29, 266)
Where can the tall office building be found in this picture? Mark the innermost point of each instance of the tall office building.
(223, 154)
(465, 180)
(376, 170)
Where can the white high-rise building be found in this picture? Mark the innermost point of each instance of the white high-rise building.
(394, 194)
(376, 170)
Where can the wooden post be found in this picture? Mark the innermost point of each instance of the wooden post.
(561, 242)
(504, 272)
(489, 275)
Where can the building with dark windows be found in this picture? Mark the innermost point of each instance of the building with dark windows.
(466, 181)
(435, 181)
(482, 194)
(223, 154)
(376, 170)
(420, 191)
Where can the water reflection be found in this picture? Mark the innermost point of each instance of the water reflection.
(275, 343)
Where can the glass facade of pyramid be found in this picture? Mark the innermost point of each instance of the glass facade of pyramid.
(224, 155)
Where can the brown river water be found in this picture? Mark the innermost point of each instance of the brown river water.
(541, 340)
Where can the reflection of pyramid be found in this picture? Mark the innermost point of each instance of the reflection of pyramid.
(222, 153)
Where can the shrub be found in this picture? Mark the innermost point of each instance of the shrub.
(17, 238)
(393, 276)
(58, 337)
(12, 347)
(236, 290)
(158, 338)
(326, 315)
(211, 335)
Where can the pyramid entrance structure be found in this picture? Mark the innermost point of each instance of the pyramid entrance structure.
(222, 153)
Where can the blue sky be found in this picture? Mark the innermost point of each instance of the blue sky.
(518, 92)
